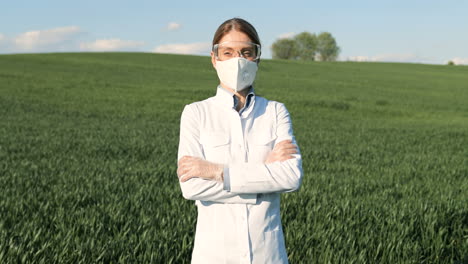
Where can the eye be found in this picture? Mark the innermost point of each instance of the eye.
(247, 53)
(227, 52)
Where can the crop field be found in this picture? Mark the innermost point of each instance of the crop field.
(88, 149)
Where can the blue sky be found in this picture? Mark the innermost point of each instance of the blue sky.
(403, 31)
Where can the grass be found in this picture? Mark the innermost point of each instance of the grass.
(88, 148)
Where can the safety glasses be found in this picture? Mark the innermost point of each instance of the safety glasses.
(230, 49)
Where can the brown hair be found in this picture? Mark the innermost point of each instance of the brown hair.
(237, 24)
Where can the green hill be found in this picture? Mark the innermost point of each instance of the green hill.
(88, 148)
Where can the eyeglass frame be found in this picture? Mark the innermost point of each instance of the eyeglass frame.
(259, 49)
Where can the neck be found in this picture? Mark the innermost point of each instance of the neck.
(240, 95)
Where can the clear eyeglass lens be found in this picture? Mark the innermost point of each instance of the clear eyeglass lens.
(231, 49)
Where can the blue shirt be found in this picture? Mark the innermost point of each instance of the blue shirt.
(248, 99)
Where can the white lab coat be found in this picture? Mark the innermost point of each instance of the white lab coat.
(238, 220)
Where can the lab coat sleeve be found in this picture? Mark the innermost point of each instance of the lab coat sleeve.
(197, 188)
(285, 176)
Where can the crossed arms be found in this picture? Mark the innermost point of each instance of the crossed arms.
(241, 182)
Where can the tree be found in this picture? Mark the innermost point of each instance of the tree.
(306, 45)
(284, 49)
(327, 49)
(451, 63)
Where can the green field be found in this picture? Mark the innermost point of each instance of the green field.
(88, 149)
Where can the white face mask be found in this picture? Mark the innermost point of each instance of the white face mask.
(236, 73)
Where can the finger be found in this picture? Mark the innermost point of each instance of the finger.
(287, 157)
(292, 146)
(283, 142)
(182, 171)
(185, 167)
(186, 177)
(182, 177)
(193, 162)
(289, 145)
(188, 158)
(183, 160)
(182, 163)
(288, 153)
(189, 163)
(287, 149)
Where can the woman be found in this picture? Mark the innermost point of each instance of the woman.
(237, 153)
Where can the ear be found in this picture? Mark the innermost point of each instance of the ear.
(213, 60)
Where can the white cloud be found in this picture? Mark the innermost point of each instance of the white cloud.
(460, 61)
(198, 48)
(39, 39)
(397, 58)
(358, 58)
(172, 26)
(394, 57)
(110, 45)
(286, 35)
(385, 57)
(2, 37)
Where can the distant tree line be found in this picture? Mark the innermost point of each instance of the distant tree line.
(307, 46)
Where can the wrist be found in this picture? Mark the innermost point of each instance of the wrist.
(219, 176)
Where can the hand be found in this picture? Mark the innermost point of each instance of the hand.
(192, 167)
(282, 151)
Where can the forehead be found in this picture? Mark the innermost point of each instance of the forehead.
(235, 35)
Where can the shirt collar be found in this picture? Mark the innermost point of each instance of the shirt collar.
(226, 98)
